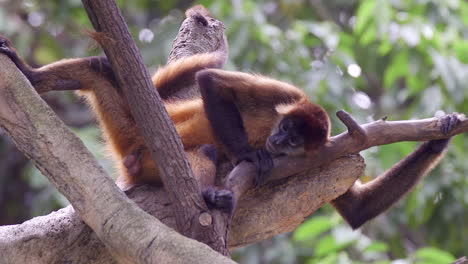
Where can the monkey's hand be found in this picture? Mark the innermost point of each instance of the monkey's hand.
(7, 48)
(262, 160)
(448, 123)
(222, 199)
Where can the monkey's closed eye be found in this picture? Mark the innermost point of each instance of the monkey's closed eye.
(293, 142)
(283, 127)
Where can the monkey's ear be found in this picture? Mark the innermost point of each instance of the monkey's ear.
(284, 109)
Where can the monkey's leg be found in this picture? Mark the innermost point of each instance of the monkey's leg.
(181, 73)
(203, 161)
(69, 74)
(250, 92)
(363, 202)
(94, 79)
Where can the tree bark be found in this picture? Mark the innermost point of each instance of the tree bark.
(130, 234)
(158, 131)
(278, 207)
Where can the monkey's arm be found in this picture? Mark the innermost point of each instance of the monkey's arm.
(235, 102)
(365, 201)
(241, 109)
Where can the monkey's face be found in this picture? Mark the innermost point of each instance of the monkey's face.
(286, 138)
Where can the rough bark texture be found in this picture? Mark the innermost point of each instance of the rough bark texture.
(193, 39)
(130, 234)
(157, 129)
(278, 207)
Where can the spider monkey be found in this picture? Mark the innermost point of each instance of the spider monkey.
(245, 117)
(256, 106)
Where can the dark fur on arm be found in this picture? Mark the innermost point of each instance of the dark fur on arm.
(225, 118)
(221, 106)
(365, 201)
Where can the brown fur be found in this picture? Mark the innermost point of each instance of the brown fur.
(189, 116)
(121, 133)
(316, 124)
(263, 102)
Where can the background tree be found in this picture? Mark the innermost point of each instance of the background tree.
(403, 60)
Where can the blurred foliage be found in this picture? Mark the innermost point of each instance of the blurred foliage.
(374, 58)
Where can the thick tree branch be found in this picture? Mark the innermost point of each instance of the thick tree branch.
(130, 234)
(278, 207)
(157, 129)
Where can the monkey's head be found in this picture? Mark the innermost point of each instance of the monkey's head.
(303, 128)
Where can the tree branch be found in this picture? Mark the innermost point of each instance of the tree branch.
(157, 129)
(462, 260)
(278, 207)
(357, 138)
(377, 133)
(127, 231)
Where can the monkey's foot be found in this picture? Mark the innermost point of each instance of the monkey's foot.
(221, 199)
(448, 124)
(133, 162)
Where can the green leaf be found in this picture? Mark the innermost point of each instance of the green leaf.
(376, 247)
(383, 16)
(464, 11)
(399, 67)
(385, 47)
(328, 245)
(369, 35)
(346, 43)
(431, 255)
(328, 259)
(364, 15)
(416, 84)
(382, 262)
(312, 228)
(461, 49)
